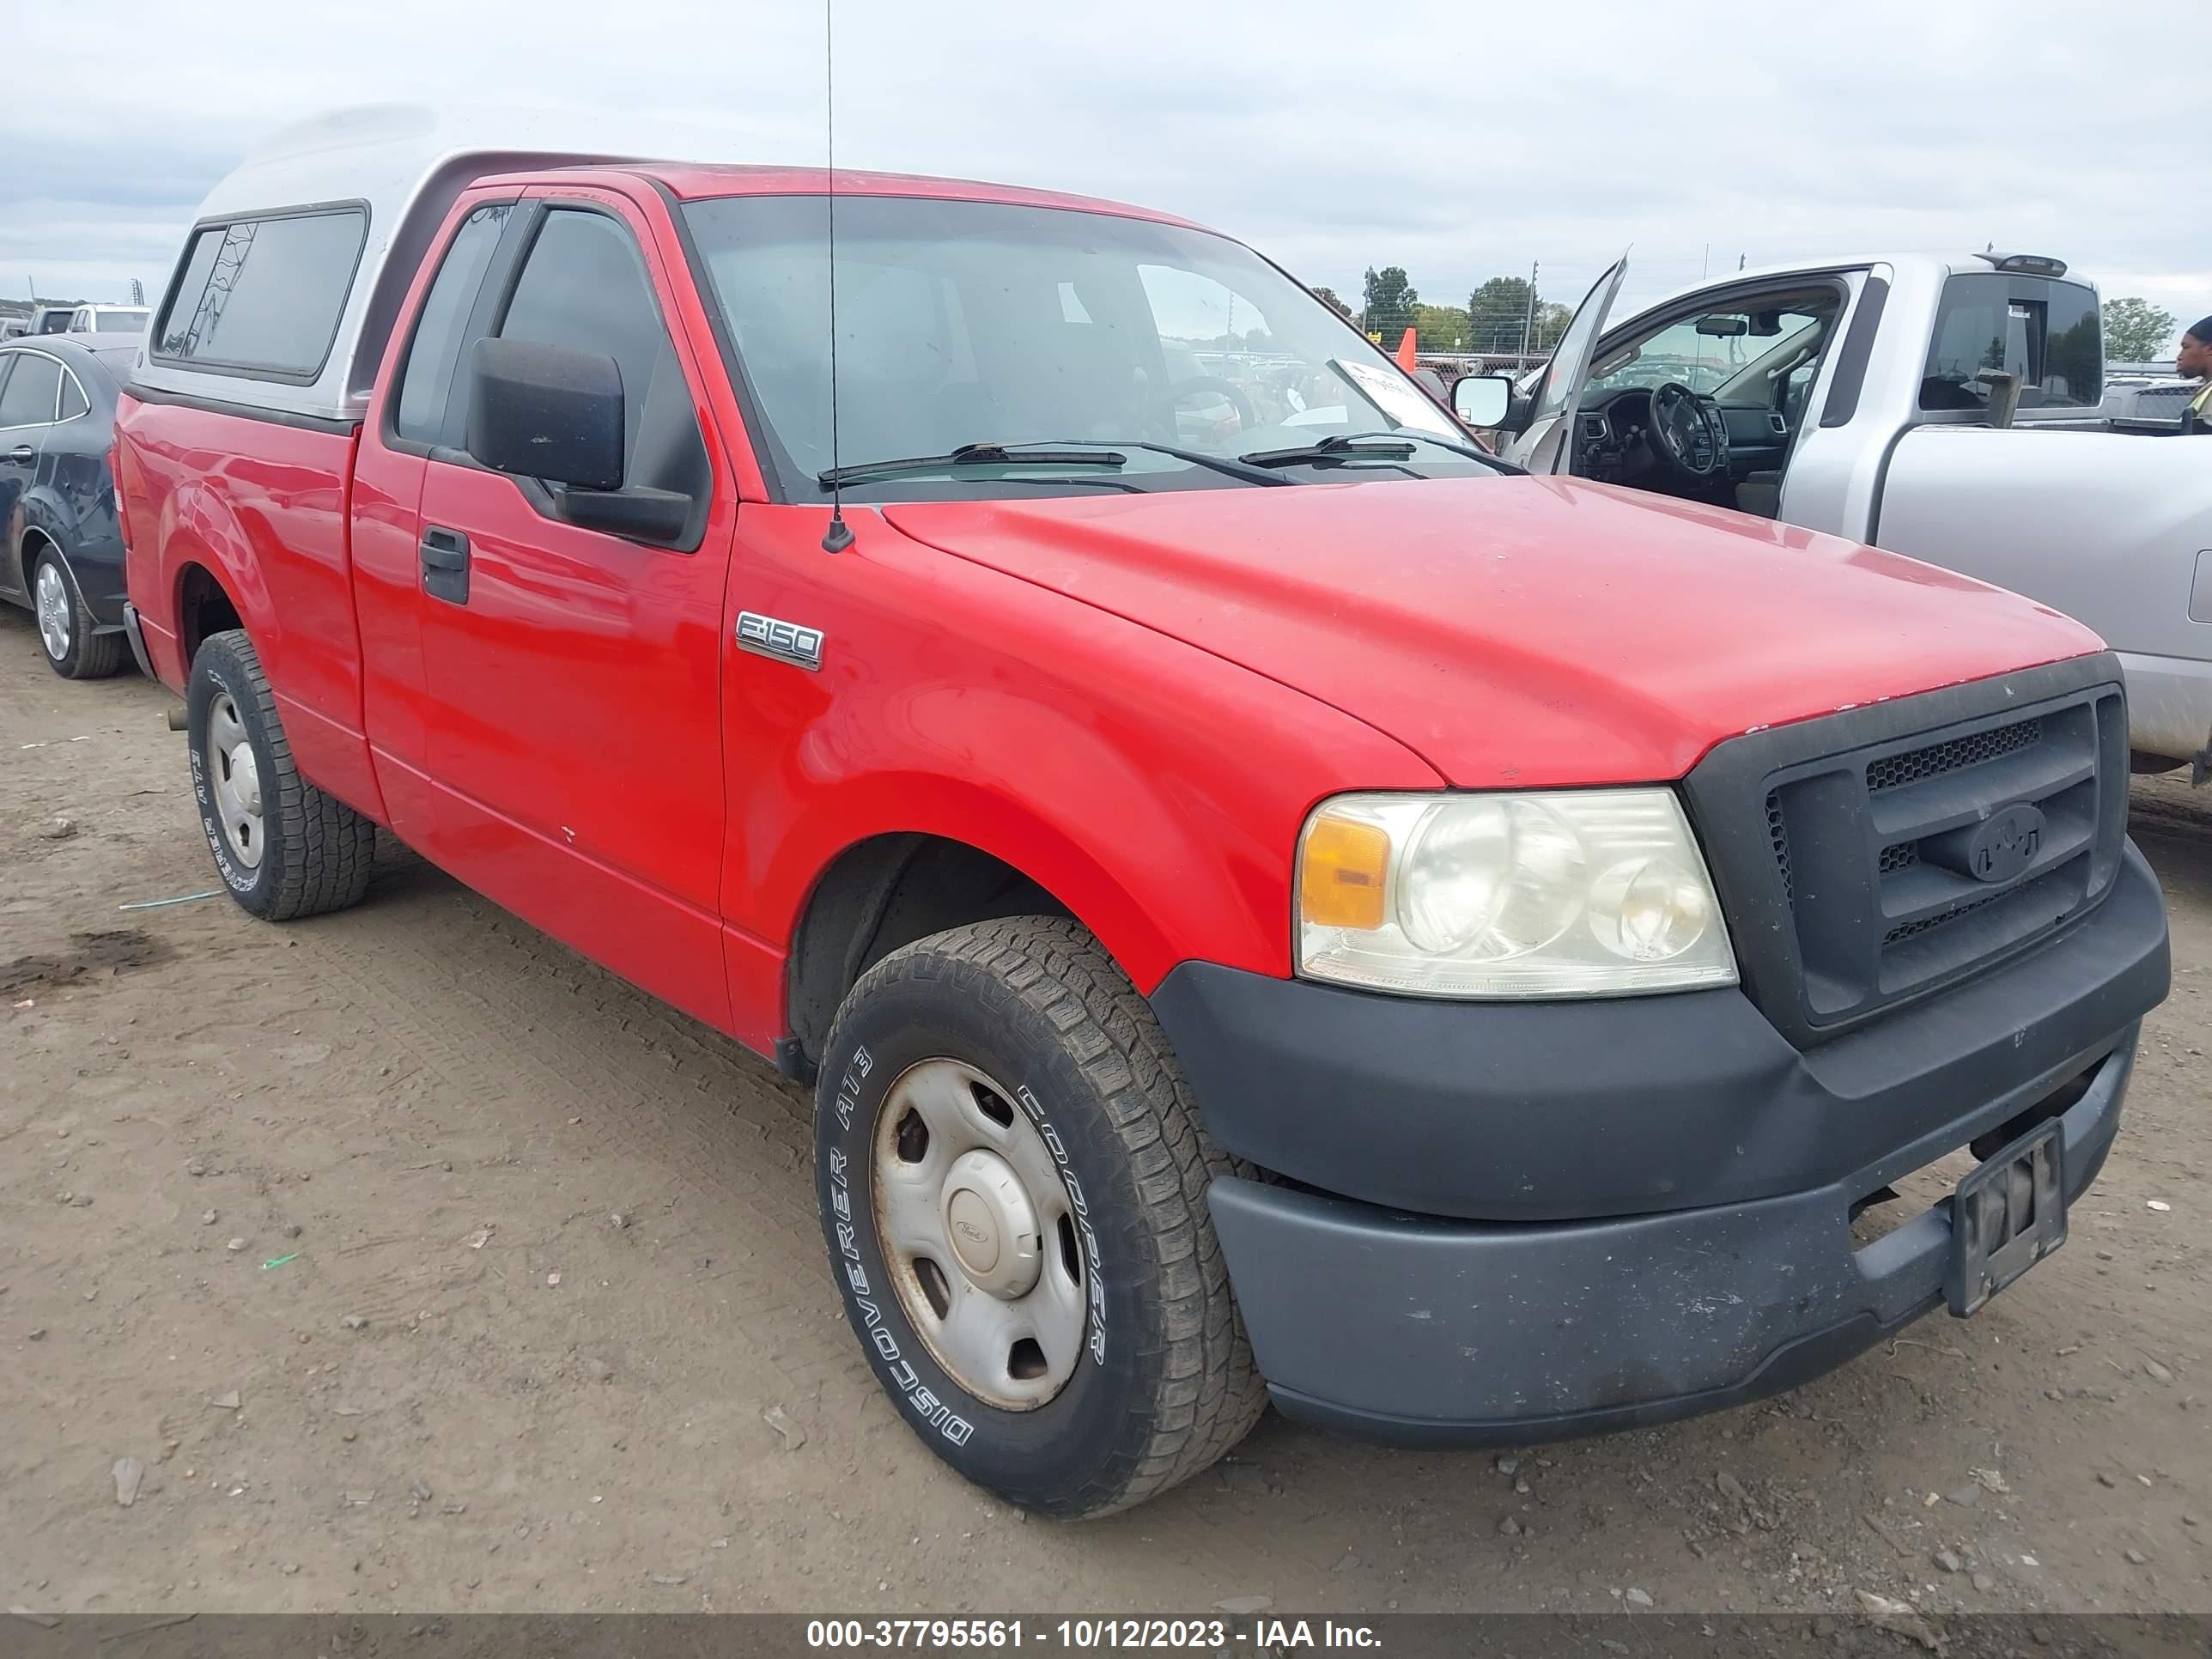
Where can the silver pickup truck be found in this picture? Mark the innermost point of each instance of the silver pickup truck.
(1948, 409)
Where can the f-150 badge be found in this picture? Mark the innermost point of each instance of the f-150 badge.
(770, 636)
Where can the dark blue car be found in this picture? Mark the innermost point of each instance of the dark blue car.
(61, 553)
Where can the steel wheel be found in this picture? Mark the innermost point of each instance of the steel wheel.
(979, 1233)
(56, 620)
(237, 778)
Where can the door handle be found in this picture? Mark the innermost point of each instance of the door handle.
(23, 454)
(444, 564)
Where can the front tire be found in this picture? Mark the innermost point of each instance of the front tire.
(283, 848)
(1062, 1333)
(65, 626)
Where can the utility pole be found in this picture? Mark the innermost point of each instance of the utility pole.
(1739, 265)
(137, 292)
(1528, 321)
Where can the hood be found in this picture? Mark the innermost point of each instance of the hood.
(1516, 631)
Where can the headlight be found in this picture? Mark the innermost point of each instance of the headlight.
(1588, 892)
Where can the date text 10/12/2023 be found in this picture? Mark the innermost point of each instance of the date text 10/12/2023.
(1202, 1634)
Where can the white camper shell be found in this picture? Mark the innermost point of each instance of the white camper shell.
(339, 211)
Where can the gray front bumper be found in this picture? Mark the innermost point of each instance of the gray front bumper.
(1415, 1329)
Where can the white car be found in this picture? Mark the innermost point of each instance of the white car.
(108, 320)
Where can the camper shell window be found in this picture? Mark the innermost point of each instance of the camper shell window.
(261, 296)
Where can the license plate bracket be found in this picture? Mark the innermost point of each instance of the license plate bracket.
(2006, 1217)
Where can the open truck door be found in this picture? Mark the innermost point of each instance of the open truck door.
(1540, 443)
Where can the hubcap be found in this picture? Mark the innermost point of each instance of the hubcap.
(979, 1233)
(237, 780)
(53, 602)
(991, 1225)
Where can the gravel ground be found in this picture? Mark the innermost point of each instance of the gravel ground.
(403, 1260)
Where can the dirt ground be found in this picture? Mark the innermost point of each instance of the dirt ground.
(424, 1266)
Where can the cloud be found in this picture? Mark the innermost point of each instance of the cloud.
(1459, 141)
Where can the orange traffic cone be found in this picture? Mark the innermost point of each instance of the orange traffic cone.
(1405, 353)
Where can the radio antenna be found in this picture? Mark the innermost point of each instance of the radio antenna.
(839, 536)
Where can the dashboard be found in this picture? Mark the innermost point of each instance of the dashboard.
(1613, 445)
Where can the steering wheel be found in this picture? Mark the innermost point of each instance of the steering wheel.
(1686, 433)
(1161, 417)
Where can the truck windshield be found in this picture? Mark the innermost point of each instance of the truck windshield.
(1705, 358)
(967, 324)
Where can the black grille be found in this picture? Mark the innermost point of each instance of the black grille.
(1927, 924)
(1894, 771)
(1896, 849)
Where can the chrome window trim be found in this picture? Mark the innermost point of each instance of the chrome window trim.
(83, 396)
(12, 350)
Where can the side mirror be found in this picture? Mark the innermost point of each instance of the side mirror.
(547, 412)
(1482, 400)
(640, 514)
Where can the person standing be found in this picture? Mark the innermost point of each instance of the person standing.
(2194, 362)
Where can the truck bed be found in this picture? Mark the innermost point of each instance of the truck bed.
(2111, 530)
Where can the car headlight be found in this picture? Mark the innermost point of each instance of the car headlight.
(1586, 892)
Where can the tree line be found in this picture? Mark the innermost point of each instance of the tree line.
(1497, 318)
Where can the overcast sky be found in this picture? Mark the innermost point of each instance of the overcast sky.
(1460, 140)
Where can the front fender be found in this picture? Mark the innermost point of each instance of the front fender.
(1153, 788)
(1170, 842)
(1142, 885)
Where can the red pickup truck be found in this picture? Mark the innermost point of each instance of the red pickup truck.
(1275, 901)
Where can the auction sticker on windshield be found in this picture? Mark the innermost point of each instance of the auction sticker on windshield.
(1393, 396)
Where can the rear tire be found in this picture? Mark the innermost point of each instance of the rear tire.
(283, 848)
(1056, 1048)
(72, 650)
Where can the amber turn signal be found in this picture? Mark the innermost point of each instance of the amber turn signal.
(1341, 874)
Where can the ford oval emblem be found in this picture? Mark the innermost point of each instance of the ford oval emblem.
(2006, 843)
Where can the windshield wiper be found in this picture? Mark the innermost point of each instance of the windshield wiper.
(1241, 467)
(1046, 451)
(1332, 449)
(1369, 446)
(1237, 468)
(972, 455)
